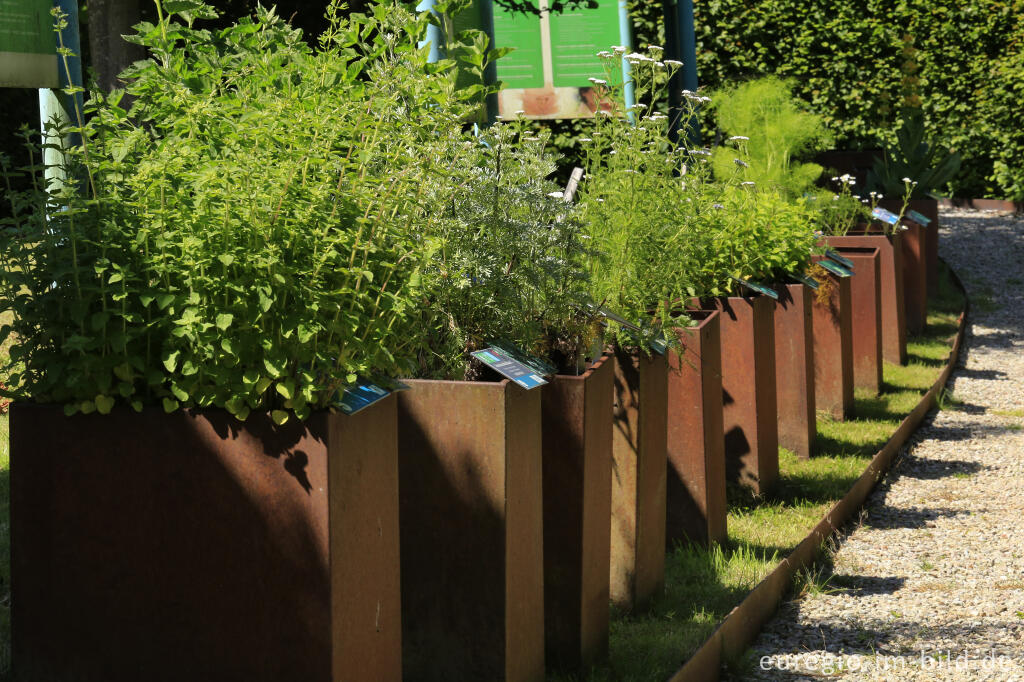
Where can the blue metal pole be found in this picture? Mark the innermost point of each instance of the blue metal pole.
(626, 40)
(434, 37)
(688, 56)
(57, 106)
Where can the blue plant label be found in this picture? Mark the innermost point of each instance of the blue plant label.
(919, 218)
(759, 288)
(804, 279)
(885, 216)
(835, 268)
(509, 367)
(659, 346)
(842, 260)
(361, 395)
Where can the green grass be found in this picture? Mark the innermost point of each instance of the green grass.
(702, 586)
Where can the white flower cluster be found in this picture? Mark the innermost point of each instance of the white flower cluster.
(845, 178)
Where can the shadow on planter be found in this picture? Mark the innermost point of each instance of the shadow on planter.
(577, 435)
(794, 369)
(191, 546)
(750, 410)
(472, 534)
(833, 347)
(639, 472)
(695, 496)
(866, 316)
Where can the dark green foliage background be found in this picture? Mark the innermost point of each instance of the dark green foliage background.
(845, 59)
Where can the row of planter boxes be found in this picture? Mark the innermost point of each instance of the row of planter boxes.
(457, 530)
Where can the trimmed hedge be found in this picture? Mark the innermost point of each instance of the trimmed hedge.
(848, 60)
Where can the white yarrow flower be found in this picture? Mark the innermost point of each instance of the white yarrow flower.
(741, 137)
(674, 62)
(748, 183)
(556, 195)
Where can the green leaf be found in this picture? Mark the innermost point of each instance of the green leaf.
(171, 360)
(170, 405)
(286, 388)
(250, 377)
(87, 406)
(137, 405)
(275, 366)
(164, 300)
(279, 417)
(224, 321)
(104, 404)
(71, 408)
(115, 278)
(179, 393)
(262, 385)
(226, 259)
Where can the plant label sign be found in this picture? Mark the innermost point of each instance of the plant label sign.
(547, 74)
(364, 393)
(885, 216)
(842, 260)
(28, 45)
(507, 366)
(835, 268)
(919, 218)
(759, 288)
(805, 280)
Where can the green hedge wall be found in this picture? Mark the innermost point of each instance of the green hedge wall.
(848, 59)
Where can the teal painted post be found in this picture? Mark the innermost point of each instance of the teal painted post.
(626, 40)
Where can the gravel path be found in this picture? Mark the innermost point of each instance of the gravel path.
(930, 584)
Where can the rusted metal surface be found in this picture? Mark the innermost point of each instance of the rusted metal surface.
(189, 546)
(738, 629)
(866, 314)
(894, 326)
(915, 284)
(794, 369)
(472, 531)
(750, 410)
(577, 515)
(833, 349)
(695, 497)
(639, 472)
(929, 208)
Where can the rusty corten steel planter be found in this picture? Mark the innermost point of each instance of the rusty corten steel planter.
(639, 472)
(191, 546)
(695, 497)
(915, 284)
(472, 531)
(833, 348)
(865, 295)
(890, 252)
(577, 469)
(750, 408)
(929, 208)
(794, 369)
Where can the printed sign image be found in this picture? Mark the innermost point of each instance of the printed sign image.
(28, 45)
(547, 74)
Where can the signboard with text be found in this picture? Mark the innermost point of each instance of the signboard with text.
(547, 74)
(28, 45)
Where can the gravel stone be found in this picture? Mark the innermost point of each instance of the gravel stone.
(930, 584)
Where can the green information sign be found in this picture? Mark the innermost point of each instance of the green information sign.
(28, 45)
(547, 75)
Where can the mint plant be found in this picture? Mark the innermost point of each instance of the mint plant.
(250, 234)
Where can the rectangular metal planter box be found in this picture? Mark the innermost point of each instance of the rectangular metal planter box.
(794, 369)
(472, 531)
(929, 208)
(577, 469)
(866, 298)
(894, 325)
(833, 348)
(695, 497)
(915, 282)
(750, 408)
(191, 546)
(639, 473)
